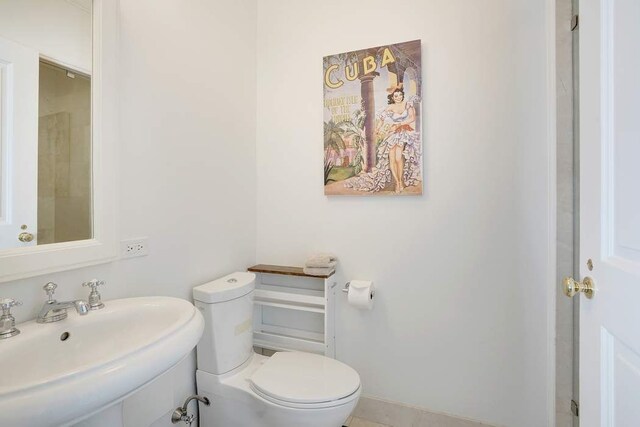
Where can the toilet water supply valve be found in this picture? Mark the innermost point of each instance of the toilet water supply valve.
(181, 414)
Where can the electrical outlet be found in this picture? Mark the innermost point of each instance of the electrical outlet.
(134, 247)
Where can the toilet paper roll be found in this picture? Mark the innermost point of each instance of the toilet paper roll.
(361, 294)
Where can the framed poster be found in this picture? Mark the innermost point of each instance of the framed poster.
(372, 122)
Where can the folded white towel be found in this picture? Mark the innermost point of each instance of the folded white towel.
(318, 271)
(328, 266)
(322, 260)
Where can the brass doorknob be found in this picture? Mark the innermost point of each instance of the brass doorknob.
(25, 237)
(572, 287)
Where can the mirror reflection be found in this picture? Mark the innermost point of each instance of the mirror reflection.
(64, 155)
(45, 122)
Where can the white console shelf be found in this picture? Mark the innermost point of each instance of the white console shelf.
(293, 311)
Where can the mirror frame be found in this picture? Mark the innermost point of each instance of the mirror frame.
(19, 263)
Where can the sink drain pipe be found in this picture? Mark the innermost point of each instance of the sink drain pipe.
(181, 414)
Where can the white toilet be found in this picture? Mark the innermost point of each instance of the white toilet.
(289, 389)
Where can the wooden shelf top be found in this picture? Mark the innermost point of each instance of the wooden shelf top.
(284, 270)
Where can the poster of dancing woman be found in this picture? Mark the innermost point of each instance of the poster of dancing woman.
(372, 121)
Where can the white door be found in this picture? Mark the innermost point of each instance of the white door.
(18, 142)
(610, 212)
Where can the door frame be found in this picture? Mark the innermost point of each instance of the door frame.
(550, 276)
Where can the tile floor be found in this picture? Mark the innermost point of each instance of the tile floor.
(359, 422)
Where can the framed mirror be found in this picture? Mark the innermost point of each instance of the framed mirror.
(57, 135)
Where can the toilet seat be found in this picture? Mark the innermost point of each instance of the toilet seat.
(304, 380)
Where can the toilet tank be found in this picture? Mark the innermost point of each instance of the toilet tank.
(227, 307)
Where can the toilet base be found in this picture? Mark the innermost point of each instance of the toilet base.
(234, 404)
(232, 413)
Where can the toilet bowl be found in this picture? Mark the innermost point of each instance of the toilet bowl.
(245, 389)
(237, 401)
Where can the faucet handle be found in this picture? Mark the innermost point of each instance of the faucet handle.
(93, 284)
(50, 289)
(7, 321)
(7, 303)
(95, 299)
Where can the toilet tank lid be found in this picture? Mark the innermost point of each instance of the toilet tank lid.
(226, 288)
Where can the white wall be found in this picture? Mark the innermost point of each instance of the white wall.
(186, 154)
(57, 29)
(460, 325)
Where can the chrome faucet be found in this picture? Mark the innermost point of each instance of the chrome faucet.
(53, 311)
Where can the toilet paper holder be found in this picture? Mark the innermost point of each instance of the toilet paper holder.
(346, 289)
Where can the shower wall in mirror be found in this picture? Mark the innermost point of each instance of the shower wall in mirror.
(64, 155)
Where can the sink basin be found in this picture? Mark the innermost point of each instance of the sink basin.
(59, 373)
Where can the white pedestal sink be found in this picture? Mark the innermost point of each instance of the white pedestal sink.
(61, 373)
